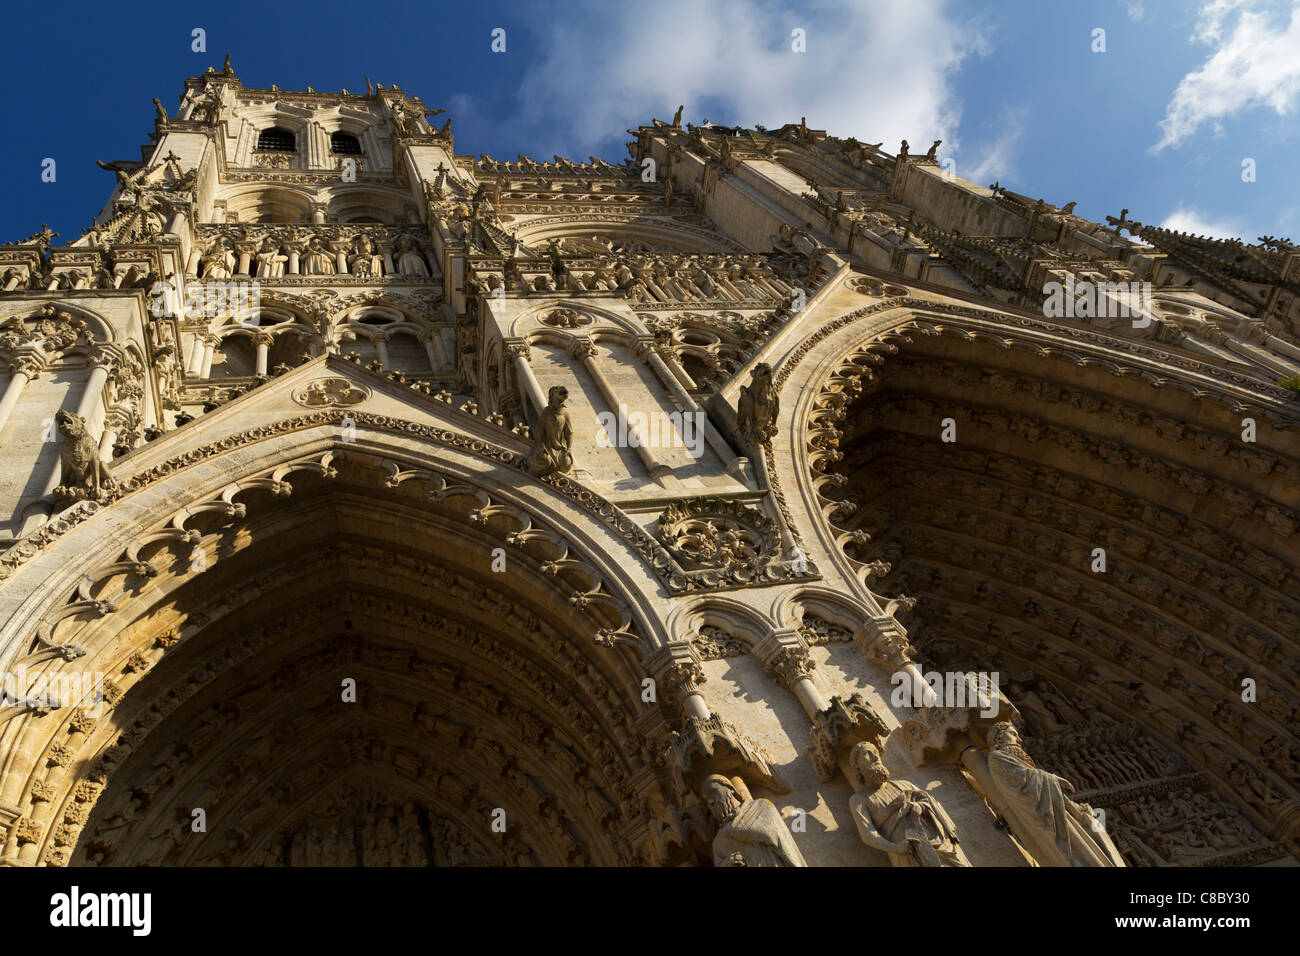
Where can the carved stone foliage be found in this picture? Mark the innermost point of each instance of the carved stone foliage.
(331, 393)
(714, 644)
(718, 540)
(817, 631)
(43, 336)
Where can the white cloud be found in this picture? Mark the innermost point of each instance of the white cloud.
(1256, 62)
(877, 71)
(1134, 9)
(1186, 219)
(997, 160)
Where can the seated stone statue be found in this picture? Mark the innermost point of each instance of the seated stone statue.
(758, 406)
(750, 832)
(1052, 828)
(82, 474)
(554, 438)
(900, 818)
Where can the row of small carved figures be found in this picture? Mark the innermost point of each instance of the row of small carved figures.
(226, 258)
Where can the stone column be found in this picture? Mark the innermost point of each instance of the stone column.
(381, 346)
(93, 396)
(246, 253)
(210, 343)
(885, 643)
(340, 250)
(194, 358)
(176, 227)
(431, 339)
(113, 422)
(677, 669)
(518, 350)
(263, 343)
(785, 656)
(293, 249)
(21, 371)
(318, 213)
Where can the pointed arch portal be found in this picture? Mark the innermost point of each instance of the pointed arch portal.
(343, 655)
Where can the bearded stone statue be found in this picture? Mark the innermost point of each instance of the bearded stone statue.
(900, 818)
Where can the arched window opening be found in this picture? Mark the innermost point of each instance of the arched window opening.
(276, 140)
(345, 144)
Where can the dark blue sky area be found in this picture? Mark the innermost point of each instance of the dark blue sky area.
(1026, 100)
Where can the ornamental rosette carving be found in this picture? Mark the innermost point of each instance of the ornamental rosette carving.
(716, 534)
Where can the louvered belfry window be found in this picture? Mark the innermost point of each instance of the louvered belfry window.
(345, 144)
(276, 140)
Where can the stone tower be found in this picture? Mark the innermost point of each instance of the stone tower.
(381, 505)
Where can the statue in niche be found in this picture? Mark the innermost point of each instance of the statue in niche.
(554, 440)
(219, 263)
(317, 260)
(758, 406)
(1054, 829)
(750, 832)
(366, 264)
(270, 264)
(409, 262)
(900, 818)
(82, 474)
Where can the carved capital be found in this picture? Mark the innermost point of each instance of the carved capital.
(885, 643)
(790, 665)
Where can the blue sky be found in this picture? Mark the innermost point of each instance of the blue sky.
(1159, 123)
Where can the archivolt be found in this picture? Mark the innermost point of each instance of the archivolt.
(995, 537)
(401, 530)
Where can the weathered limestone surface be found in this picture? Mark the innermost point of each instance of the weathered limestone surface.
(346, 583)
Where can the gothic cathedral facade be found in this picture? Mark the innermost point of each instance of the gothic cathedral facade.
(765, 499)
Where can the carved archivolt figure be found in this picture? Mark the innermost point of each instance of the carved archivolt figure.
(758, 406)
(82, 473)
(900, 818)
(1054, 829)
(554, 441)
(750, 832)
